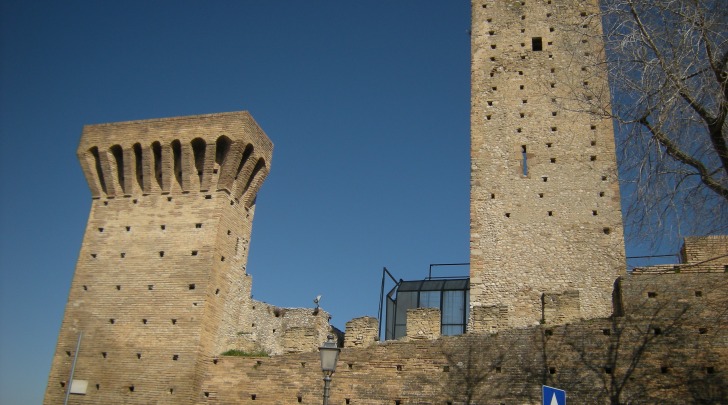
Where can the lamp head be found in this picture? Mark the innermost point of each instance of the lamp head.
(329, 355)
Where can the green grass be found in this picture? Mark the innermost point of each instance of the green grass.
(242, 353)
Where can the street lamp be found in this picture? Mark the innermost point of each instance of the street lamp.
(329, 356)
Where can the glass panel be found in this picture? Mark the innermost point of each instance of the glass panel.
(405, 286)
(460, 284)
(389, 328)
(432, 285)
(453, 307)
(405, 301)
(430, 299)
(450, 330)
(400, 331)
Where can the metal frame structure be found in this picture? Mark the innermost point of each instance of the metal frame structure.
(451, 295)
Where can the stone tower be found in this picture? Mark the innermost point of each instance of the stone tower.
(160, 285)
(546, 228)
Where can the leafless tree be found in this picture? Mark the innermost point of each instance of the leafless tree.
(667, 64)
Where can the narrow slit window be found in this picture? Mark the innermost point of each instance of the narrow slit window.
(537, 44)
(524, 160)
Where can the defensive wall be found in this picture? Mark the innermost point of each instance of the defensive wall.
(161, 285)
(161, 288)
(667, 344)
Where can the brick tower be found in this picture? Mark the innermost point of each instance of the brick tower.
(160, 285)
(546, 228)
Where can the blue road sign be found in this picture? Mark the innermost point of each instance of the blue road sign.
(553, 396)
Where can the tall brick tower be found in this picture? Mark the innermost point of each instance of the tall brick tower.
(160, 285)
(546, 228)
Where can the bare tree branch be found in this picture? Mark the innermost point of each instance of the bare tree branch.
(666, 61)
(680, 155)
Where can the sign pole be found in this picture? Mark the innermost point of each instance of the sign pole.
(73, 369)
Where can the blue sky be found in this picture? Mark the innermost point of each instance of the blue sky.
(367, 104)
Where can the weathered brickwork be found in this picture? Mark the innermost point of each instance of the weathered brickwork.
(699, 254)
(545, 213)
(277, 330)
(161, 285)
(362, 331)
(670, 349)
(423, 323)
(161, 288)
(705, 253)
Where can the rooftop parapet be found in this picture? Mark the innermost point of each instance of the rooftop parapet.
(213, 152)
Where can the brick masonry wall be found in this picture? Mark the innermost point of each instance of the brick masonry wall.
(423, 323)
(160, 281)
(699, 254)
(705, 253)
(554, 225)
(670, 349)
(276, 330)
(362, 331)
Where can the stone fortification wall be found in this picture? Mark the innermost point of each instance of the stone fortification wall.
(161, 281)
(705, 253)
(671, 348)
(699, 254)
(545, 213)
(423, 323)
(362, 331)
(277, 330)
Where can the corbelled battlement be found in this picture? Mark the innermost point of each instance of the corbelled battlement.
(214, 152)
(161, 285)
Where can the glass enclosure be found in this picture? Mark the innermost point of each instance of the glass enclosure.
(450, 296)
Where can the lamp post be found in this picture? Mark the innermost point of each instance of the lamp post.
(329, 356)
